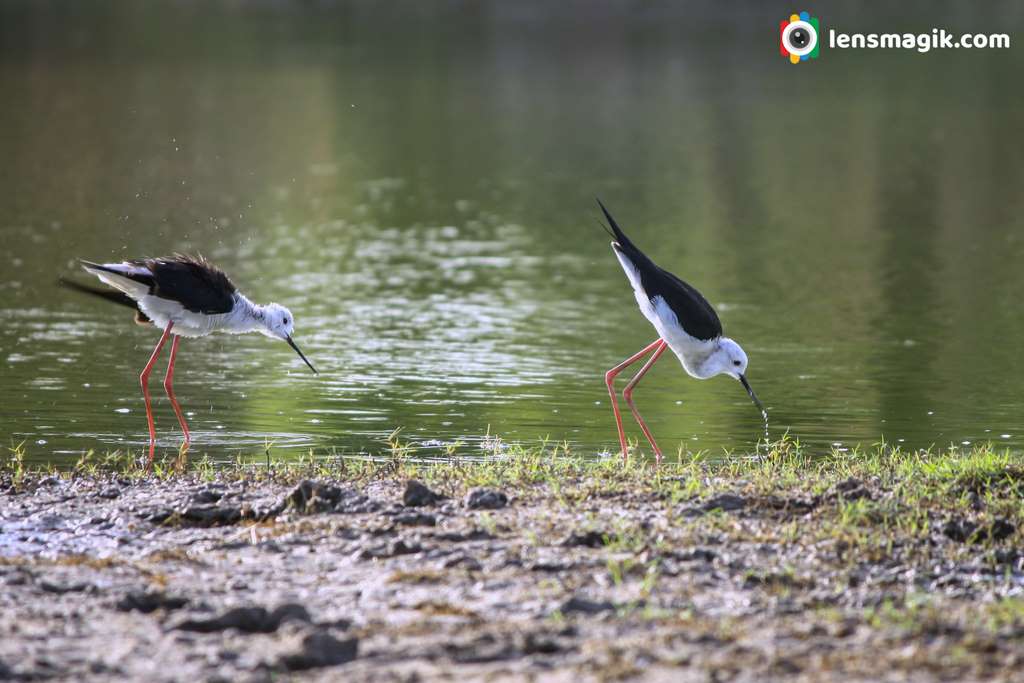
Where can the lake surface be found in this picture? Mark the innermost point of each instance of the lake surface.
(419, 189)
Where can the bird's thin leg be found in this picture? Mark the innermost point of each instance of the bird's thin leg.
(169, 388)
(144, 380)
(627, 394)
(609, 380)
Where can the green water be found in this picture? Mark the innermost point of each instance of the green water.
(417, 186)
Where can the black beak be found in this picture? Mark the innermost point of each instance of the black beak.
(306, 360)
(753, 396)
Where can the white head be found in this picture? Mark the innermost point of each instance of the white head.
(729, 359)
(278, 322)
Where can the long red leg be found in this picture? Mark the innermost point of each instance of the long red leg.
(169, 388)
(609, 379)
(627, 394)
(144, 380)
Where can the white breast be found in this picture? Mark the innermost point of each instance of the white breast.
(692, 352)
(186, 323)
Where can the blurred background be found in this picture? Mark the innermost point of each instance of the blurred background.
(416, 181)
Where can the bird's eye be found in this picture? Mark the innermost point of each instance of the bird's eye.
(286, 322)
(736, 363)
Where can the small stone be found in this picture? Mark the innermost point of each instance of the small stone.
(417, 495)
(317, 649)
(149, 601)
(727, 502)
(585, 606)
(849, 489)
(247, 619)
(109, 492)
(310, 497)
(207, 496)
(61, 588)
(959, 530)
(1001, 529)
(210, 515)
(414, 519)
(486, 499)
(698, 555)
(392, 549)
(587, 539)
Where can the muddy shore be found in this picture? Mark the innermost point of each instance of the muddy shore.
(576, 574)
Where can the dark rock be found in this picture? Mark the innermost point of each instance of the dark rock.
(358, 504)
(585, 606)
(210, 515)
(415, 519)
(848, 489)
(486, 499)
(207, 496)
(109, 492)
(418, 495)
(310, 497)
(247, 619)
(149, 601)
(789, 504)
(318, 649)
(195, 515)
(157, 516)
(464, 536)
(481, 649)
(392, 549)
(539, 644)
(463, 562)
(550, 566)
(1001, 529)
(588, 539)
(962, 530)
(727, 502)
(61, 588)
(959, 530)
(1007, 556)
(697, 555)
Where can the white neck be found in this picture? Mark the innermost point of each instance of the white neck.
(244, 317)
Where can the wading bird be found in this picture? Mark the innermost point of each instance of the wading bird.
(686, 323)
(187, 297)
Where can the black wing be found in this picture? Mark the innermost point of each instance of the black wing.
(694, 312)
(193, 282)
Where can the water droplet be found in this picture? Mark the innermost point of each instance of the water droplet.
(122, 410)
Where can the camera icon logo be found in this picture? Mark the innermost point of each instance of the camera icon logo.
(798, 37)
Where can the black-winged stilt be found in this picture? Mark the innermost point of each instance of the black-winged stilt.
(686, 323)
(187, 297)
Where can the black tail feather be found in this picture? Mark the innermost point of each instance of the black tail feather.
(110, 295)
(98, 292)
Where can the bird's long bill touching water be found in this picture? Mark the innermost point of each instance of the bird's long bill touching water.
(291, 343)
(188, 297)
(757, 402)
(685, 322)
